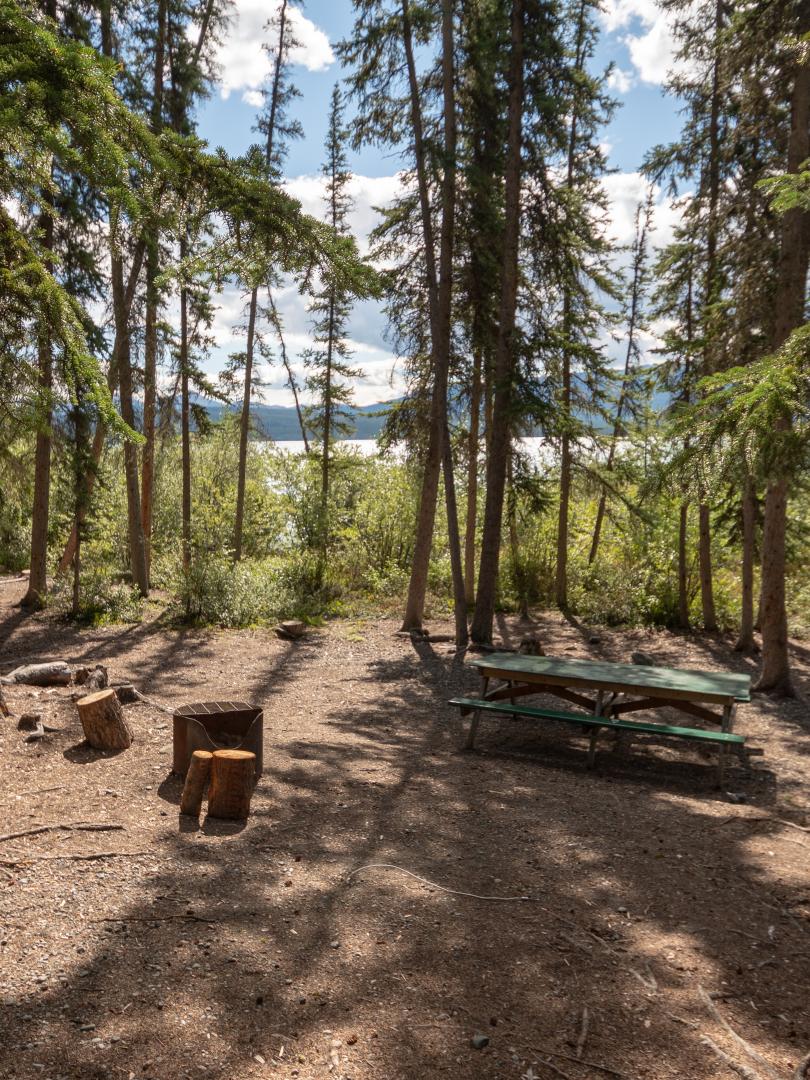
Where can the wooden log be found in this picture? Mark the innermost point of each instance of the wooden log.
(94, 678)
(105, 727)
(199, 772)
(232, 779)
(57, 673)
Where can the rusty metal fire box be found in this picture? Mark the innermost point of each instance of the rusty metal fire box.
(216, 725)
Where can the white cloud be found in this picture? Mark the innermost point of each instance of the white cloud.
(619, 80)
(652, 44)
(367, 192)
(381, 378)
(254, 98)
(625, 191)
(245, 63)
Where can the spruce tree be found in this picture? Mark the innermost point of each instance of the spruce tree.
(330, 377)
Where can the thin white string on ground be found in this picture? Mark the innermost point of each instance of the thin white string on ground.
(433, 884)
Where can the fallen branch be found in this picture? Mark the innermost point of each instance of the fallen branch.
(583, 1034)
(78, 827)
(567, 1057)
(26, 860)
(736, 1066)
(150, 701)
(738, 1039)
(772, 820)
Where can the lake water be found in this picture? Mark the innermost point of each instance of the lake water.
(536, 447)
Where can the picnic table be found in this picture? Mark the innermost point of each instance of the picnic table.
(605, 692)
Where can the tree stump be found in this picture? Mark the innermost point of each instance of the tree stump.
(232, 779)
(199, 771)
(105, 727)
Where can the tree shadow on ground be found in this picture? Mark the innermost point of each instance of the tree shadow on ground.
(268, 953)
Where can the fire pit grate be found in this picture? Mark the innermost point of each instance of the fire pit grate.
(216, 725)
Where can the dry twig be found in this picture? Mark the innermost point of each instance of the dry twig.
(80, 826)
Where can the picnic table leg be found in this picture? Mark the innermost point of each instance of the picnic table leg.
(476, 716)
(597, 711)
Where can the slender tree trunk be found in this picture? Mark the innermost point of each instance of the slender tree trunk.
(185, 428)
(112, 381)
(745, 641)
(683, 568)
(561, 584)
(712, 292)
(244, 424)
(417, 586)
(149, 401)
(38, 567)
(440, 310)
(276, 318)
(705, 560)
(789, 304)
(327, 427)
(244, 428)
(636, 294)
(472, 481)
(505, 346)
(137, 553)
(150, 346)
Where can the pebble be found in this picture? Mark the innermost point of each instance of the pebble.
(334, 945)
(479, 1041)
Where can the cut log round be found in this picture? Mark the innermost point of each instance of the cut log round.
(105, 727)
(199, 771)
(232, 779)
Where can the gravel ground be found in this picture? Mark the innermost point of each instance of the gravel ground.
(236, 952)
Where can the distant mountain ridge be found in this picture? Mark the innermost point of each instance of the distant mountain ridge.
(280, 422)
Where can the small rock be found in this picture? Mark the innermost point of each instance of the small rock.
(334, 944)
(87, 1027)
(642, 658)
(736, 797)
(594, 639)
(478, 1042)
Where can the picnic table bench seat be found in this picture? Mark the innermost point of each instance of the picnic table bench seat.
(723, 739)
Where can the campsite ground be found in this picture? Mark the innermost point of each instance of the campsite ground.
(237, 953)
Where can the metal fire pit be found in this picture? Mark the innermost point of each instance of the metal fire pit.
(217, 725)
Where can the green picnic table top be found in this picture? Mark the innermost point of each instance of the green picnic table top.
(602, 674)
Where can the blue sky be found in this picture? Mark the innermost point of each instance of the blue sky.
(635, 38)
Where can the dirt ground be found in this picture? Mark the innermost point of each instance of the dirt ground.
(240, 952)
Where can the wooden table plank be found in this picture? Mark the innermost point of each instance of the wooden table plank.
(633, 678)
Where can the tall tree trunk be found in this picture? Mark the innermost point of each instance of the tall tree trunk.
(137, 553)
(683, 568)
(440, 310)
(112, 381)
(150, 345)
(327, 424)
(185, 427)
(472, 481)
(789, 304)
(505, 347)
(244, 424)
(745, 641)
(244, 428)
(561, 583)
(712, 293)
(38, 566)
(705, 560)
(636, 293)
